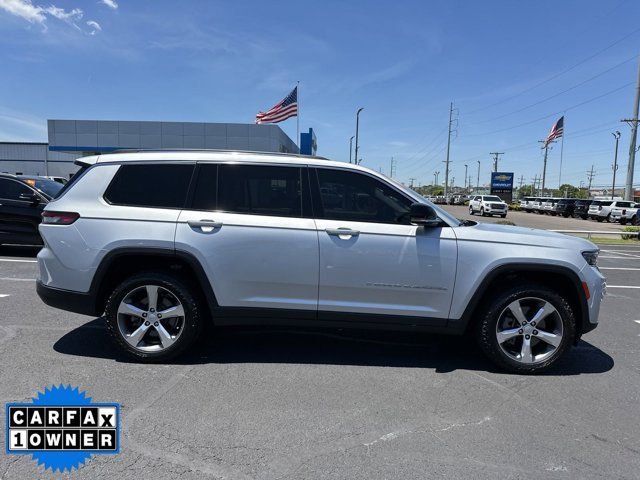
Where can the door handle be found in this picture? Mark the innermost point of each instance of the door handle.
(205, 225)
(339, 232)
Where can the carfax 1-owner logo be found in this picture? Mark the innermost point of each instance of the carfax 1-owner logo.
(62, 428)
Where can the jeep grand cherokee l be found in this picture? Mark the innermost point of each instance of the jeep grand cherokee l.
(162, 242)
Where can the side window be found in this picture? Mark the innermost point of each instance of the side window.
(206, 191)
(360, 198)
(260, 190)
(11, 190)
(154, 185)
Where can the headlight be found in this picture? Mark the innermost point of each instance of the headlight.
(591, 257)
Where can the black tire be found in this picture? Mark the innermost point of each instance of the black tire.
(623, 221)
(489, 316)
(609, 219)
(191, 326)
(471, 210)
(482, 211)
(503, 216)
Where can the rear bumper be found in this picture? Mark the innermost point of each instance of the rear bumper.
(76, 302)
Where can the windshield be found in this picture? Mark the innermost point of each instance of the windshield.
(492, 198)
(50, 188)
(623, 204)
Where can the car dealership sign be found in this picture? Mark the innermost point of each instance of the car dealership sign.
(502, 185)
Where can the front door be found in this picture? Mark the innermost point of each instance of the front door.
(252, 230)
(372, 260)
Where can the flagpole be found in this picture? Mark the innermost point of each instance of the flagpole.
(564, 130)
(298, 116)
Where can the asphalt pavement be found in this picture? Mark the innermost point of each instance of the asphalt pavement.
(294, 404)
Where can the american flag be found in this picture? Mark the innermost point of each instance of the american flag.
(284, 109)
(556, 131)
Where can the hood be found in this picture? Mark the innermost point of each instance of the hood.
(492, 232)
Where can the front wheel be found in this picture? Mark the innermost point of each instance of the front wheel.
(526, 329)
(504, 216)
(482, 211)
(470, 210)
(153, 316)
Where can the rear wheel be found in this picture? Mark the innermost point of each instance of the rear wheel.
(153, 317)
(526, 329)
(482, 211)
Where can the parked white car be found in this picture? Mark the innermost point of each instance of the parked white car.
(488, 205)
(600, 210)
(623, 212)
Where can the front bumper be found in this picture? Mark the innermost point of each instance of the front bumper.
(597, 285)
(76, 302)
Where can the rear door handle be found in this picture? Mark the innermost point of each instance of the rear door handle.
(204, 225)
(339, 232)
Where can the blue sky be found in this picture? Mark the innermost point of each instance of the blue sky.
(404, 61)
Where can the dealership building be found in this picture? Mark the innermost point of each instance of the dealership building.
(70, 139)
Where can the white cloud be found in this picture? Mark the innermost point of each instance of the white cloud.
(110, 3)
(62, 14)
(95, 26)
(24, 9)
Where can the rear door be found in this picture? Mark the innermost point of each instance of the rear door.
(20, 213)
(372, 260)
(251, 227)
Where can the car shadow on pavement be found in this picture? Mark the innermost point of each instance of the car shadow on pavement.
(329, 346)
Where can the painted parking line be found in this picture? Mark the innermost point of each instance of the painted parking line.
(12, 279)
(618, 258)
(3, 295)
(608, 268)
(623, 286)
(18, 260)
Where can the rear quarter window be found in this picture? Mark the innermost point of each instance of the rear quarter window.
(156, 185)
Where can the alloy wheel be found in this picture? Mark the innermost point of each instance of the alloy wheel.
(529, 330)
(150, 318)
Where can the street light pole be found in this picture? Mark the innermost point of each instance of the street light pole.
(466, 167)
(478, 179)
(351, 147)
(615, 164)
(357, 130)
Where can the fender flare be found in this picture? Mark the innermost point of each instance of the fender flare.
(582, 316)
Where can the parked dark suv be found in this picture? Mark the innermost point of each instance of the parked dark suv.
(581, 208)
(565, 207)
(22, 199)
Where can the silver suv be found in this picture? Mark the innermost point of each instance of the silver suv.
(162, 242)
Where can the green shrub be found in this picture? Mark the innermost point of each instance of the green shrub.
(515, 206)
(505, 222)
(633, 232)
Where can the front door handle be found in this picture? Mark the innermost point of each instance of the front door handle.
(342, 232)
(204, 225)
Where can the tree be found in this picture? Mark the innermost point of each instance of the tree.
(569, 191)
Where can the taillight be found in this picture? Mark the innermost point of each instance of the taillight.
(59, 218)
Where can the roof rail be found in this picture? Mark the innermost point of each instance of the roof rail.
(207, 150)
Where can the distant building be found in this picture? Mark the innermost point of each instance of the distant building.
(70, 139)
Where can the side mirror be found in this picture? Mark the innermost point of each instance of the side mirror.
(424, 215)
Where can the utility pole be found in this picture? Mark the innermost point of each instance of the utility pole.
(411, 180)
(544, 167)
(628, 189)
(446, 170)
(357, 130)
(351, 147)
(535, 184)
(435, 174)
(466, 168)
(495, 159)
(590, 176)
(615, 164)
(392, 168)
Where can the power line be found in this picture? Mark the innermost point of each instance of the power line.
(559, 74)
(554, 113)
(557, 94)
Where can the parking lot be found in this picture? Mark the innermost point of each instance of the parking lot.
(277, 404)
